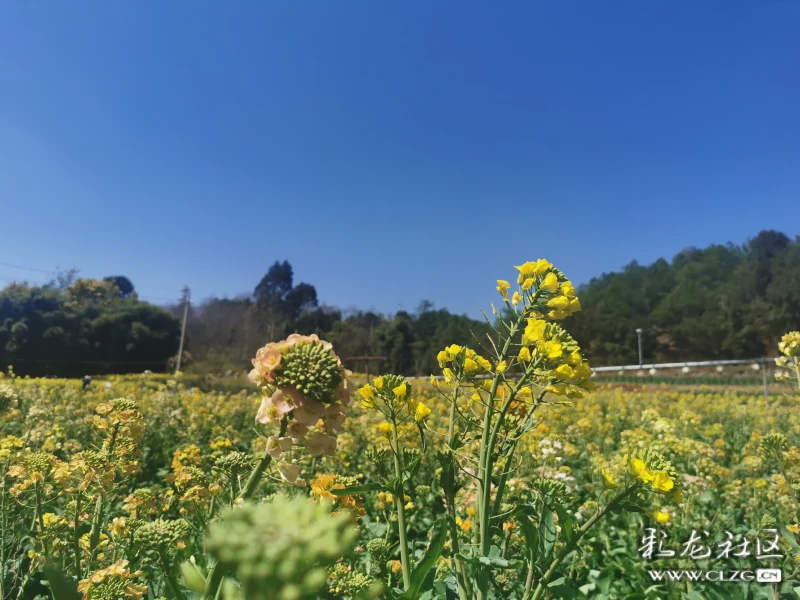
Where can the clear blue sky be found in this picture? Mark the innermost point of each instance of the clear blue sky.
(390, 151)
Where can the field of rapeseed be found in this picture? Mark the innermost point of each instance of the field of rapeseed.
(507, 478)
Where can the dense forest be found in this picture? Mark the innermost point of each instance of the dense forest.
(719, 302)
(73, 326)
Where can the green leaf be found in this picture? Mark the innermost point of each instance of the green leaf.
(564, 588)
(193, 577)
(496, 562)
(61, 587)
(789, 537)
(531, 535)
(432, 554)
(547, 535)
(357, 489)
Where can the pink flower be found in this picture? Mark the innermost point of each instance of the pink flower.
(297, 430)
(334, 417)
(267, 413)
(267, 359)
(309, 412)
(284, 400)
(290, 473)
(277, 446)
(319, 443)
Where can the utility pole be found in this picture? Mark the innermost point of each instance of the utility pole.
(185, 298)
(639, 334)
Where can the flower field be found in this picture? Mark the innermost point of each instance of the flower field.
(508, 478)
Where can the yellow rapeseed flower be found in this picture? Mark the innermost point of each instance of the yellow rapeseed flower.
(608, 480)
(470, 366)
(421, 412)
(552, 349)
(516, 298)
(662, 482)
(564, 372)
(378, 383)
(640, 470)
(503, 287)
(400, 391)
(453, 350)
(549, 283)
(502, 367)
(385, 429)
(658, 516)
(524, 354)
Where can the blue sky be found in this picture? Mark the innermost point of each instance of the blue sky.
(390, 151)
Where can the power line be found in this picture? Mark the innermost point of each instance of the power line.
(37, 270)
(5, 264)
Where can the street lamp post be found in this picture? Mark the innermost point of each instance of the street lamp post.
(639, 335)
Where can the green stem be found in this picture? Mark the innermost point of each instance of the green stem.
(485, 474)
(40, 517)
(3, 525)
(258, 472)
(401, 509)
(76, 544)
(97, 518)
(570, 546)
(448, 480)
(215, 575)
(171, 579)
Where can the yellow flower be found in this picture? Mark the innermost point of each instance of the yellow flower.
(662, 482)
(549, 283)
(608, 480)
(567, 288)
(794, 528)
(559, 302)
(574, 358)
(367, 396)
(640, 470)
(465, 525)
(528, 284)
(676, 495)
(564, 372)
(421, 412)
(559, 389)
(471, 512)
(470, 366)
(534, 332)
(400, 391)
(502, 287)
(524, 354)
(658, 516)
(453, 350)
(448, 375)
(442, 358)
(552, 349)
(378, 383)
(487, 366)
(516, 298)
(502, 367)
(385, 429)
(526, 271)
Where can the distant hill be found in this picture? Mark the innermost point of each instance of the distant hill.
(718, 302)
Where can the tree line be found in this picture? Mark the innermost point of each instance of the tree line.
(723, 301)
(72, 326)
